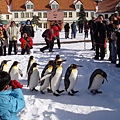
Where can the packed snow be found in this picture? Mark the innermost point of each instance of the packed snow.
(83, 105)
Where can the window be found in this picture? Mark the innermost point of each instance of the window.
(86, 14)
(65, 14)
(45, 25)
(31, 14)
(44, 15)
(70, 14)
(22, 15)
(7, 16)
(40, 15)
(78, 6)
(92, 14)
(77, 14)
(27, 15)
(15, 15)
(29, 6)
(54, 6)
(106, 16)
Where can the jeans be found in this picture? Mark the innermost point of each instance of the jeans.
(113, 50)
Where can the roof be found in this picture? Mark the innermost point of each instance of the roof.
(107, 5)
(44, 4)
(4, 7)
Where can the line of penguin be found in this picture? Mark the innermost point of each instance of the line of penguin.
(51, 76)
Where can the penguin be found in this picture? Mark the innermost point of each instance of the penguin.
(96, 80)
(45, 83)
(56, 77)
(71, 78)
(4, 65)
(30, 62)
(14, 71)
(33, 77)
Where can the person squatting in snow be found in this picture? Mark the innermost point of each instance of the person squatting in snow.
(26, 44)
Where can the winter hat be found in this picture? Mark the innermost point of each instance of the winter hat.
(116, 22)
(4, 79)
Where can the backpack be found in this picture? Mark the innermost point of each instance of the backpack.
(45, 33)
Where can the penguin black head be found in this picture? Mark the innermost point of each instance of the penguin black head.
(51, 62)
(31, 57)
(35, 64)
(75, 66)
(57, 57)
(104, 74)
(4, 62)
(60, 62)
(15, 63)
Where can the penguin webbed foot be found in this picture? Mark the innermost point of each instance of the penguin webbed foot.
(71, 94)
(95, 92)
(34, 89)
(49, 90)
(60, 91)
(56, 94)
(42, 92)
(74, 91)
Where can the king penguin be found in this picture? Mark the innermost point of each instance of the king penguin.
(33, 77)
(96, 80)
(71, 78)
(45, 83)
(4, 65)
(56, 78)
(57, 58)
(14, 71)
(30, 62)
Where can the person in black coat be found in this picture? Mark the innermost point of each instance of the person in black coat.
(100, 36)
(67, 28)
(28, 28)
(92, 26)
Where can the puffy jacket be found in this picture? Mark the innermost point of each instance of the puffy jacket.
(11, 103)
(56, 29)
(25, 42)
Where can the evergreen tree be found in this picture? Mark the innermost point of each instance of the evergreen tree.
(82, 14)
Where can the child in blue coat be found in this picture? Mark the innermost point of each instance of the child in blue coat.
(11, 97)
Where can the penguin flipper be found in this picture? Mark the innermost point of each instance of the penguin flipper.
(45, 76)
(20, 72)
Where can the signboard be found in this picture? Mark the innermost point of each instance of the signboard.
(55, 15)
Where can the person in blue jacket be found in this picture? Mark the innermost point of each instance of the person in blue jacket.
(73, 30)
(11, 97)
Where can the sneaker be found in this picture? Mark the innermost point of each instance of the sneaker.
(114, 62)
(96, 58)
(118, 65)
(42, 51)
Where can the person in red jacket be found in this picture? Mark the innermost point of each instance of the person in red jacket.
(56, 28)
(26, 44)
(49, 39)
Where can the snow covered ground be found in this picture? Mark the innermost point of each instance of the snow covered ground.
(81, 106)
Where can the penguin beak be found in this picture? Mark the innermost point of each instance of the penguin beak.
(64, 60)
(8, 60)
(79, 66)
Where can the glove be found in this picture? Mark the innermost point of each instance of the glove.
(15, 84)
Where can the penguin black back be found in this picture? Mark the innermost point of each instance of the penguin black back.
(30, 58)
(15, 63)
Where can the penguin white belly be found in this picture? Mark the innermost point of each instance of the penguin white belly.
(34, 79)
(55, 81)
(72, 79)
(47, 80)
(5, 68)
(14, 73)
(97, 82)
